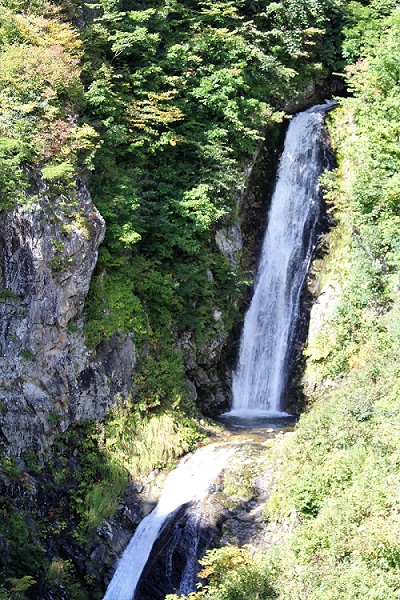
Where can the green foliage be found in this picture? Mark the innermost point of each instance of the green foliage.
(32, 463)
(143, 442)
(96, 483)
(366, 193)
(102, 499)
(58, 171)
(363, 27)
(61, 574)
(40, 94)
(180, 94)
(339, 477)
(26, 554)
(113, 306)
(10, 467)
(232, 574)
(8, 295)
(17, 588)
(27, 355)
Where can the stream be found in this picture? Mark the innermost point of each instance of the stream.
(266, 348)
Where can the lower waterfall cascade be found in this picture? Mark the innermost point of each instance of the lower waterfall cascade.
(188, 482)
(270, 323)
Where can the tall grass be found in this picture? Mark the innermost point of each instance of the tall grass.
(143, 443)
(102, 499)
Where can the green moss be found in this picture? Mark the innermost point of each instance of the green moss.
(58, 172)
(8, 295)
(11, 467)
(240, 475)
(27, 355)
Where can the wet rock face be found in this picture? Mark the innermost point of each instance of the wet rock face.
(173, 564)
(310, 316)
(48, 251)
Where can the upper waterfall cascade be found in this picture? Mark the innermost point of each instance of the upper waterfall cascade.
(270, 323)
(189, 481)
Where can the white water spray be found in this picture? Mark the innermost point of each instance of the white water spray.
(269, 328)
(189, 481)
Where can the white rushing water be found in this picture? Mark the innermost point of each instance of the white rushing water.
(189, 481)
(270, 322)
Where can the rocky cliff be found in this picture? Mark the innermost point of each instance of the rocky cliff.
(48, 251)
(48, 379)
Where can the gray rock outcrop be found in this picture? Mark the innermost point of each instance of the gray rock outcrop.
(48, 378)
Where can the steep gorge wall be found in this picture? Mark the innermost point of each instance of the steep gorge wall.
(48, 251)
(50, 380)
(210, 368)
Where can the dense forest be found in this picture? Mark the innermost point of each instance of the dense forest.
(159, 109)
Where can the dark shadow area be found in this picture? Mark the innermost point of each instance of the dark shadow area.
(173, 563)
(294, 400)
(257, 423)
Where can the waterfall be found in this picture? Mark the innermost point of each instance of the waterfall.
(192, 567)
(189, 481)
(266, 344)
(270, 323)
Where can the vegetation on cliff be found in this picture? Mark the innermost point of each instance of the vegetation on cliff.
(41, 95)
(339, 474)
(180, 94)
(337, 479)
